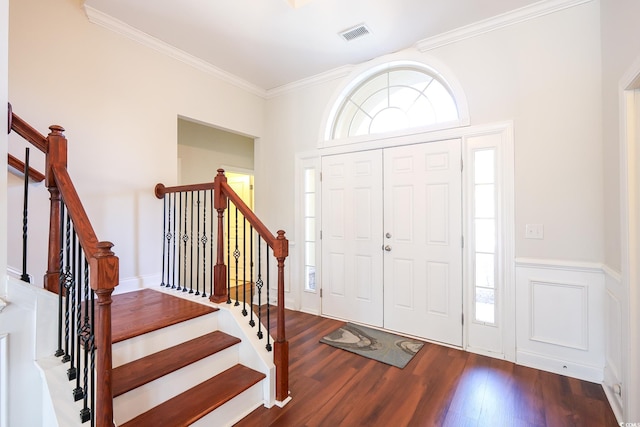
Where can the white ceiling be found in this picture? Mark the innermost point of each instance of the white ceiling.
(271, 43)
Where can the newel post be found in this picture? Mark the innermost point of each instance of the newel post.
(104, 268)
(220, 269)
(281, 345)
(56, 155)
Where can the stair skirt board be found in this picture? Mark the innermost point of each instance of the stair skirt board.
(141, 399)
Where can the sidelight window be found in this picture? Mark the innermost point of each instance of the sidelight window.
(309, 201)
(484, 234)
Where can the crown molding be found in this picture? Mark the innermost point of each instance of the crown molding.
(333, 74)
(99, 18)
(526, 13)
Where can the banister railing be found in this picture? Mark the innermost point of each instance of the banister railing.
(186, 209)
(78, 268)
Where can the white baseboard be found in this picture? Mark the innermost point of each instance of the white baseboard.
(589, 373)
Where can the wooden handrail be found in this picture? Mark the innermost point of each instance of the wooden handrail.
(25, 130)
(18, 165)
(82, 225)
(161, 190)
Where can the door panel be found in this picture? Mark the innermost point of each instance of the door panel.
(351, 237)
(423, 222)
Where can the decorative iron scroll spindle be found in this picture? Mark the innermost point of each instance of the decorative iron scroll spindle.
(244, 266)
(236, 256)
(190, 279)
(252, 322)
(212, 244)
(228, 252)
(76, 306)
(259, 285)
(165, 236)
(174, 237)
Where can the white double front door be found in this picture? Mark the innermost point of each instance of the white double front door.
(391, 239)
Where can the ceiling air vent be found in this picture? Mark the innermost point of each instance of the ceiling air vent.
(355, 32)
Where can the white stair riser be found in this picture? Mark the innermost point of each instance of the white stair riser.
(234, 410)
(152, 342)
(141, 399)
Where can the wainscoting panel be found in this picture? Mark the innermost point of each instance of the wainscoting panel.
(614, 324)
(560, 310)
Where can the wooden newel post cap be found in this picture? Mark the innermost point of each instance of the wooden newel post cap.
(283, 244)
(104, 249)
(159, 190)
(56, 130)
(221, 171)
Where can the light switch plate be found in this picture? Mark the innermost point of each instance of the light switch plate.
(534, 231)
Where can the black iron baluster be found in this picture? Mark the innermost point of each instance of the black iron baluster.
(203, 240)
(228, 251)
(259, 284)
(81, 278)
(252, 322)
(212, 244)
(166, 241)
(197, 249)
(60, 352)
(67, 278)
(164, 236)
(174, 237)
(268, 326)
(244, 266)
(190, 279)
(25, 217)
(183, 236)
(71, 294)
(236, 255)
(86, 413)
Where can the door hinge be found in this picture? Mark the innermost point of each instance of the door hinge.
(320, 292)
(320, 176)
(462, 241)
(461, 165)
(463, 318)
(320, 234)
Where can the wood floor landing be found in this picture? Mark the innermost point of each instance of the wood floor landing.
(146, 310)
(440, 387)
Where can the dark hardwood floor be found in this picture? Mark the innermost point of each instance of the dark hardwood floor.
(439, 387)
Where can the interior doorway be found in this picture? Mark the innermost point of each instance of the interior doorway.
(237, 231)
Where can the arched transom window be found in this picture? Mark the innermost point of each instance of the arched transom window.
(396, 98)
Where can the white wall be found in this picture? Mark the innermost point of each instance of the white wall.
(4, 96)
(119, 102)
(203, 149)
(620, 53)
(4, 54)
(544, 74)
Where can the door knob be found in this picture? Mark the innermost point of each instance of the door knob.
(388, 235)
(387, 248)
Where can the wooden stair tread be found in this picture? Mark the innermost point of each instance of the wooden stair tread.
(188, 407)
(139, 312)
(142, 371)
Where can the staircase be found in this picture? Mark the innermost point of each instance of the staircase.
(173, 366)
(146, 357)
